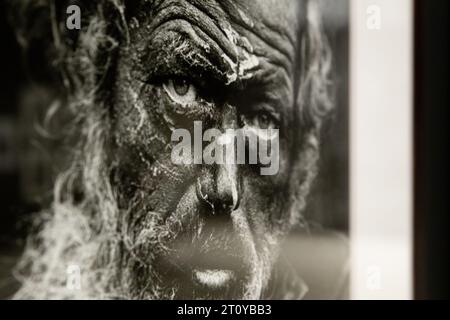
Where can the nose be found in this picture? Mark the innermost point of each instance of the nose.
(218, 187)
(219, 184)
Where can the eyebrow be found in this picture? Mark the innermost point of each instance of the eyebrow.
(165, 62)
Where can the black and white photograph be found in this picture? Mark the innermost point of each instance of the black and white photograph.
(209, 150)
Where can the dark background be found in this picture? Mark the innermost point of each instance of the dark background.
(12, 205)
(431, 117)
(12, 78)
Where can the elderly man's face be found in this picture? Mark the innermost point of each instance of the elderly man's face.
(199, 230)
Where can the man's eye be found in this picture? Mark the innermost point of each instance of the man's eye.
(261, 121)
(181, 91)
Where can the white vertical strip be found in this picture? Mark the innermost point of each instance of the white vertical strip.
(381, 63)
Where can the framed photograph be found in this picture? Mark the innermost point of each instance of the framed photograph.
(212, 150)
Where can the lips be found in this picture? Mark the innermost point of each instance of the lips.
(215, 272)
(213, 278)
(207, 265)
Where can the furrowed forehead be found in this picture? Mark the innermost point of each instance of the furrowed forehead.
(276, 20)
(269, 27)
(283, 14)
(284, 17)
(286, 12)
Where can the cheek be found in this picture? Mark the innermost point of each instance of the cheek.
(264, 199)
(143, 148)
(138, 113)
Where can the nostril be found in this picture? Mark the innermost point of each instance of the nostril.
(203, 194)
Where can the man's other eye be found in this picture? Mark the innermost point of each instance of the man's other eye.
(261, 120)
(181, 91)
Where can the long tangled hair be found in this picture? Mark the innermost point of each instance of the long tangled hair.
(82, 225)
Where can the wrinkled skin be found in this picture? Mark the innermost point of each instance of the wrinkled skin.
(241, 60)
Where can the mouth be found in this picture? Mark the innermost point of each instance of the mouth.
(206, 258)
(213, 279)
(196, 280)
(215, 272)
